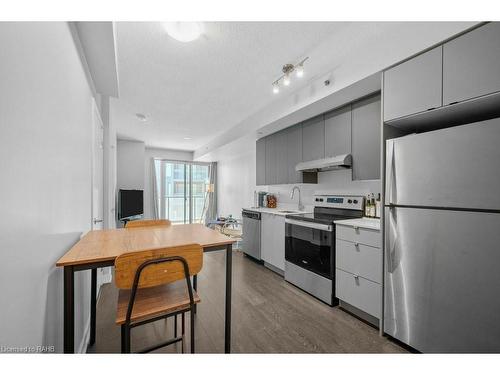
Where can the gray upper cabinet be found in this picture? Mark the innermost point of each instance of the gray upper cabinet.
(260, 167)
(471, 64)
(294, 149)
(414, 86)
(366, 139)
(271, 176)
(338, 132)
(313, 138)
(281, 158)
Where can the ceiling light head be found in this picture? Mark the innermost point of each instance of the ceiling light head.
(286, 80)
(299, 70)
(184, 31)
(276, 88)
(141, 117)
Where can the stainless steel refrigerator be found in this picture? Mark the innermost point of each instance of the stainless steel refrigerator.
(442, 239)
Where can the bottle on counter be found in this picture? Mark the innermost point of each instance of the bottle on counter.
(373, 206)
(367, 206)
(378, 206)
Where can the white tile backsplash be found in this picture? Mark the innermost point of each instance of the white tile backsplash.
(332, 182)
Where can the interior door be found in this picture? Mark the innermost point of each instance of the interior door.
(441, 279)
(97, 169)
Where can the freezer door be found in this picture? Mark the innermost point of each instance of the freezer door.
(442, 279)
(453, 167)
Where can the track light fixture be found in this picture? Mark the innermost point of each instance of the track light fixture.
(288, 70)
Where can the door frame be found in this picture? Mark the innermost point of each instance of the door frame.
(96, 116)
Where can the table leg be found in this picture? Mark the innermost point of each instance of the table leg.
(227, 330)
(195, 287)
(69, 309)
(93, 303)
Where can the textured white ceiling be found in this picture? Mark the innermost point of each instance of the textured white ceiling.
(203, 88)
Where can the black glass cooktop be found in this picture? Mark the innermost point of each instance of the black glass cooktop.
(324, 215)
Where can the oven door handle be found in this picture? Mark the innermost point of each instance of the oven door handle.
(308, 224)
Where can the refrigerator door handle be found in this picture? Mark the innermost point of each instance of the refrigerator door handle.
(391, 236)
(390, 187)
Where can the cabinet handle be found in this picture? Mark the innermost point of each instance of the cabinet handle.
(430, 109)
(356, 276)
(356, 244)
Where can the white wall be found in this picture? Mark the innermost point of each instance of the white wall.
(158, 153)
(134, 168)
(130, 165)
(235, 182)
(45, 167)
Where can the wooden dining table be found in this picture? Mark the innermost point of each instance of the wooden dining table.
(100, 248)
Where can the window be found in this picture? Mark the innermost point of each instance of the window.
(182, 190)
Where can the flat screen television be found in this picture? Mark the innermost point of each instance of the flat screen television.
(130, 203)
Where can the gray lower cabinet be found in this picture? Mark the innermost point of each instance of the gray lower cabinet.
(338, 132)
(271, 160)
(273, 240)
(358, 273)
(294, 152)
(366, 126)
(260, 167)
(414, 86)
(359, 292)
(471, 64)
(313, 138)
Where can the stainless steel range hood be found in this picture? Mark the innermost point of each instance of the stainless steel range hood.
(327, 164)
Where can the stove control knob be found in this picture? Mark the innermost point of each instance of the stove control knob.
(355, 201)
(349, 201)
(317, 199)
(321, 199)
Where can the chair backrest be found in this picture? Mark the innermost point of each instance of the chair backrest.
(126, 266)
(147, 223)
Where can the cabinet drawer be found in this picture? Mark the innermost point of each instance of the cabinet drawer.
(364, 236)
(359, 292)
(360, 260)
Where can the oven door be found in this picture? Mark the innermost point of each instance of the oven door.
(311, 246)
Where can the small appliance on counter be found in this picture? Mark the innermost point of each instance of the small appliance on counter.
(262, 199)
(310, 244)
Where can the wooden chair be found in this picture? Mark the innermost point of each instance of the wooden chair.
(156, 284)
(147, 223)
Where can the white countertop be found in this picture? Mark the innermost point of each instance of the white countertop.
(364, 222)
(277, 211)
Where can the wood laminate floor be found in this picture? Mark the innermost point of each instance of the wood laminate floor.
(269, 316)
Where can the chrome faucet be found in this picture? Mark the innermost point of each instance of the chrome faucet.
(300, 205)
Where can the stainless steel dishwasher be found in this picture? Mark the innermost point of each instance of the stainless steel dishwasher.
(251, 233)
